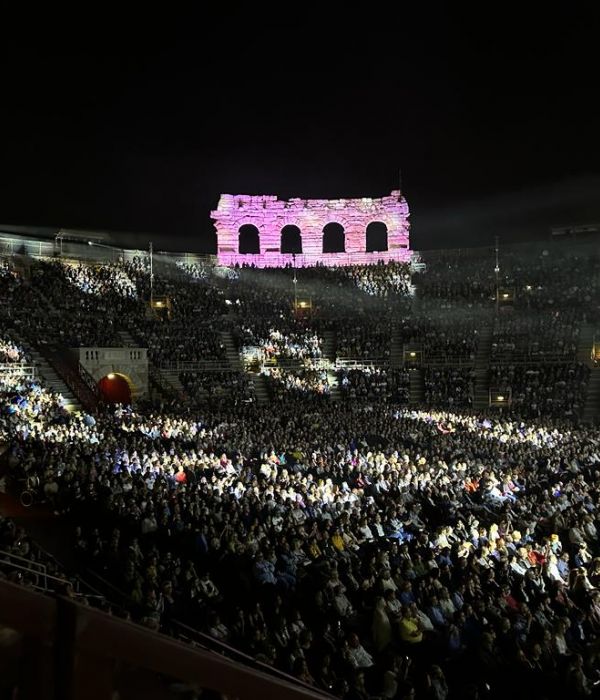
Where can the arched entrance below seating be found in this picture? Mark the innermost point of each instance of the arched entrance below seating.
(116, 388)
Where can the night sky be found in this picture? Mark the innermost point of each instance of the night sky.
(494, 121)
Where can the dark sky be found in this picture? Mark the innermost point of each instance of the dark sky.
(493, 119)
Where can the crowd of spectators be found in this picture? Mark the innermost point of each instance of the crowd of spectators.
(547, 277)
(355, 534)
(448, 387)
(364, 341)
(375, 384)
(535, 337)
(25, 563)
(372, 550)
(552, 390)
(99, 280)
(381, 280)
(441, 337)
(308, 383)
(294, 343)
(215, 387)
(11, 352)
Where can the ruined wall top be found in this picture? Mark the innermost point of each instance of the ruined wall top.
(270, 215)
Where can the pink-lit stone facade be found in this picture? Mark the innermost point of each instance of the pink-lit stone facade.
(270, 215)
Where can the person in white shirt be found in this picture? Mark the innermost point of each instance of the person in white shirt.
(342, 604)
(387, 582)
(552, 569)
(393, 605)
(424, 621)
(366, 534)
(358, 656)
(208, 588)
(517, 566)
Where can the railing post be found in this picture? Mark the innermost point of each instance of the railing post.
(35, 671)
(81, 675)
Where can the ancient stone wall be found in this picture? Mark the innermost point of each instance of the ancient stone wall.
(269, 215)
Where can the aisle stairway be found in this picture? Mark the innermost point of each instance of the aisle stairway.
(396, 348)
(231, 352)
(585, 344)
(591, 408)
(481, 380)
(417, 387)
(171, 379)
(162, 383)
(335, 393)
(261, 390)
(52, 379)
(128, 340)
(329, 345)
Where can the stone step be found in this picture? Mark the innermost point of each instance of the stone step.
(232, 354)
(51, 378)
(261, 390)
(329, 345)
(591, 408)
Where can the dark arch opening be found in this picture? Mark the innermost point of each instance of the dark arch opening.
(249, 241)
(114, 388)
(334, 239)
(291, 240)
(377, 237)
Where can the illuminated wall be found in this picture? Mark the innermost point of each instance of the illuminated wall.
(269, 215)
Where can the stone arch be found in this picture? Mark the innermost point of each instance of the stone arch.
(291, 240)
(334, 238)
(116, 387)
(376, 237)
(249, 240)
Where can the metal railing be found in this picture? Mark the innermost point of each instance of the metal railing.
(71, 375)
(357, 362)
(202, 366)
(191, 635)
(43, 579)
(28, 371)
(195, 637)
(518, 357)
(88, 380)
(71, 651)
(446, 361)
(367, 362)
(31, 566)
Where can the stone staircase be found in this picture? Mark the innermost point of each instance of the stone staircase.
(261, 390)
(329, 345)
(335, 393)
(53, 380)
(170, 378)
(128, 340)
(481, 389)
(417, 387)
(481, 371)
(396, 348)
(231, 352)
(591, 408)
(585, 344)
(165, 382)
